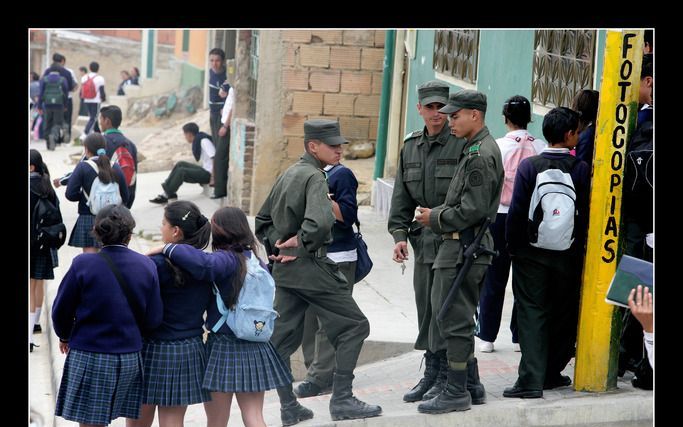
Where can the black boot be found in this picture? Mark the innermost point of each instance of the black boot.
(291, 411)
(474, 386)
(455, 396)
(431, 370)
(344, 406)
(440, 382)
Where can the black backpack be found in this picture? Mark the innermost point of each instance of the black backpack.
(47, 229)
(53, 93)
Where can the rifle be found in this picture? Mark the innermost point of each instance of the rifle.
(472, 251)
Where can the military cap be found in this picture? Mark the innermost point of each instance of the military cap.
(432, 91)
(326, 131)
(471, 99)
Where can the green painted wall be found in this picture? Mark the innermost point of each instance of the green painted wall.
(505, 69)
(191, 76)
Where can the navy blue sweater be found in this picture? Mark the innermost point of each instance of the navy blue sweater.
(517, 219)
(343, 185)
(585, 146)
(215, 81)
(218, 267)
(184, 306)
(82, 178)
(92, 312)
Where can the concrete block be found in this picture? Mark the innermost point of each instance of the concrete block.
(367, 105)
(325, 81)
(374, 122)
(380, 37)
(354, 127)
(314, 56)
(372, 58)
(359, 38)
(347, 58)
(339, 104)
(296, 36)
(295, 147)
(307, 102)
(290, 54)
(377, 83)
(326, 36)
(356, 82)
(293, 124)
(295, 79)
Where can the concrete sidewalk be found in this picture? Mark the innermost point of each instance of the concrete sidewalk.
(388, 365)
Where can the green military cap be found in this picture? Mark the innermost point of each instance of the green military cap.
(326, 131)
(432, 91)
(471, 99)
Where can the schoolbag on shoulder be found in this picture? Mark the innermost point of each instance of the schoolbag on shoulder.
(47, 229)
(638, 172)
(53, 93)
(101, 194)
(552, 210)
(126, 162)
(252, 318)
(89, 90)
(522, 149)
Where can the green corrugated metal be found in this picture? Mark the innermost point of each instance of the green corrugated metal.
(150, 54)
(186, 40)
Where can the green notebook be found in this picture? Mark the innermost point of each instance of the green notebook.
(630, 273)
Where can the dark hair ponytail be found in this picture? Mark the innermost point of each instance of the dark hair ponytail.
(517, 111)
(95, 143)
(196, 230)
(40, 167)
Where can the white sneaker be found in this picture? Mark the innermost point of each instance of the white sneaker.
(516, 347)
(486, 347)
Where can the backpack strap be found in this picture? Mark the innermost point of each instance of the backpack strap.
(93, 165)
(222, 309)
(137, 312)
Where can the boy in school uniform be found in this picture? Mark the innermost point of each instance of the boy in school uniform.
(546, 282)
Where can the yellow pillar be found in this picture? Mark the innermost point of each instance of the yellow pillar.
(599, 324)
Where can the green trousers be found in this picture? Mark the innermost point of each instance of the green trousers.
(428, 336)
(345, 325)
(457, 328)
(221, 159)
(184, 172)
(318, 352)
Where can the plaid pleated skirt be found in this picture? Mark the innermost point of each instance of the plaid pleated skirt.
(43, 264)
(97, 387)
(174, 372)
(81, 235)
(240, 366)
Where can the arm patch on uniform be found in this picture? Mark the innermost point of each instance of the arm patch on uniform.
(476, 178)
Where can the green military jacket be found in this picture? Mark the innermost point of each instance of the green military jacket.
(424, 173)
(473, 195)
(298, 205)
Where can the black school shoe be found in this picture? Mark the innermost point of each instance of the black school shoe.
(37, 329)
(557, 381)
(516, 391)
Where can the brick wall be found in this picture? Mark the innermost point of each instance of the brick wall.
(166, 37)
(332, 74)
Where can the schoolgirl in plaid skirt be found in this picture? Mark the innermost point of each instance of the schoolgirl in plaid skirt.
(234, 366)
(99, 326)
(174, 354)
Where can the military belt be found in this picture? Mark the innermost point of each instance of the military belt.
(302, 252)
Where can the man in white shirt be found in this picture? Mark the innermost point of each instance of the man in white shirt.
(203, 151)
(93, 100)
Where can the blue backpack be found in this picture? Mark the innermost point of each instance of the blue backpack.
(253, 317)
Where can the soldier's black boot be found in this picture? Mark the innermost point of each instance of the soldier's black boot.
(343, 404)
(455, 396)
(474, 386)
(426, 382)
(291, 411)
(440, 382)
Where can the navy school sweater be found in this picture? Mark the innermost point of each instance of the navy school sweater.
(343, 185)
(92, 312)
(83, 177)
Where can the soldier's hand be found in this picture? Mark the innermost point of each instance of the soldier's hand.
(292, 242)
(282, 258)
(400, 252)
(423, 216)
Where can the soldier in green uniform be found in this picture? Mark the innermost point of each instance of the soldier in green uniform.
(297, 219)
(473, 195)
(426, 165)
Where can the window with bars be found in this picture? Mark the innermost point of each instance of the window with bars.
(456, 53)
(563, 65)
(253, 73)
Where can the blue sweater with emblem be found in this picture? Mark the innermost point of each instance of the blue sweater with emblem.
(92, 312)
(218, 267)
(184, 306)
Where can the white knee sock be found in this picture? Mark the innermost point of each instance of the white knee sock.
(31, 322)
(38, 310)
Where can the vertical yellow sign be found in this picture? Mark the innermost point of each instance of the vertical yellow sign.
(598, 336)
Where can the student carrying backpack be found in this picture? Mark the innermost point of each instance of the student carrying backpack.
(553, 204)
(89, 89)
(522, 149)
(101, 194)
(47, 228)
(252, 318)
(53, 93)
